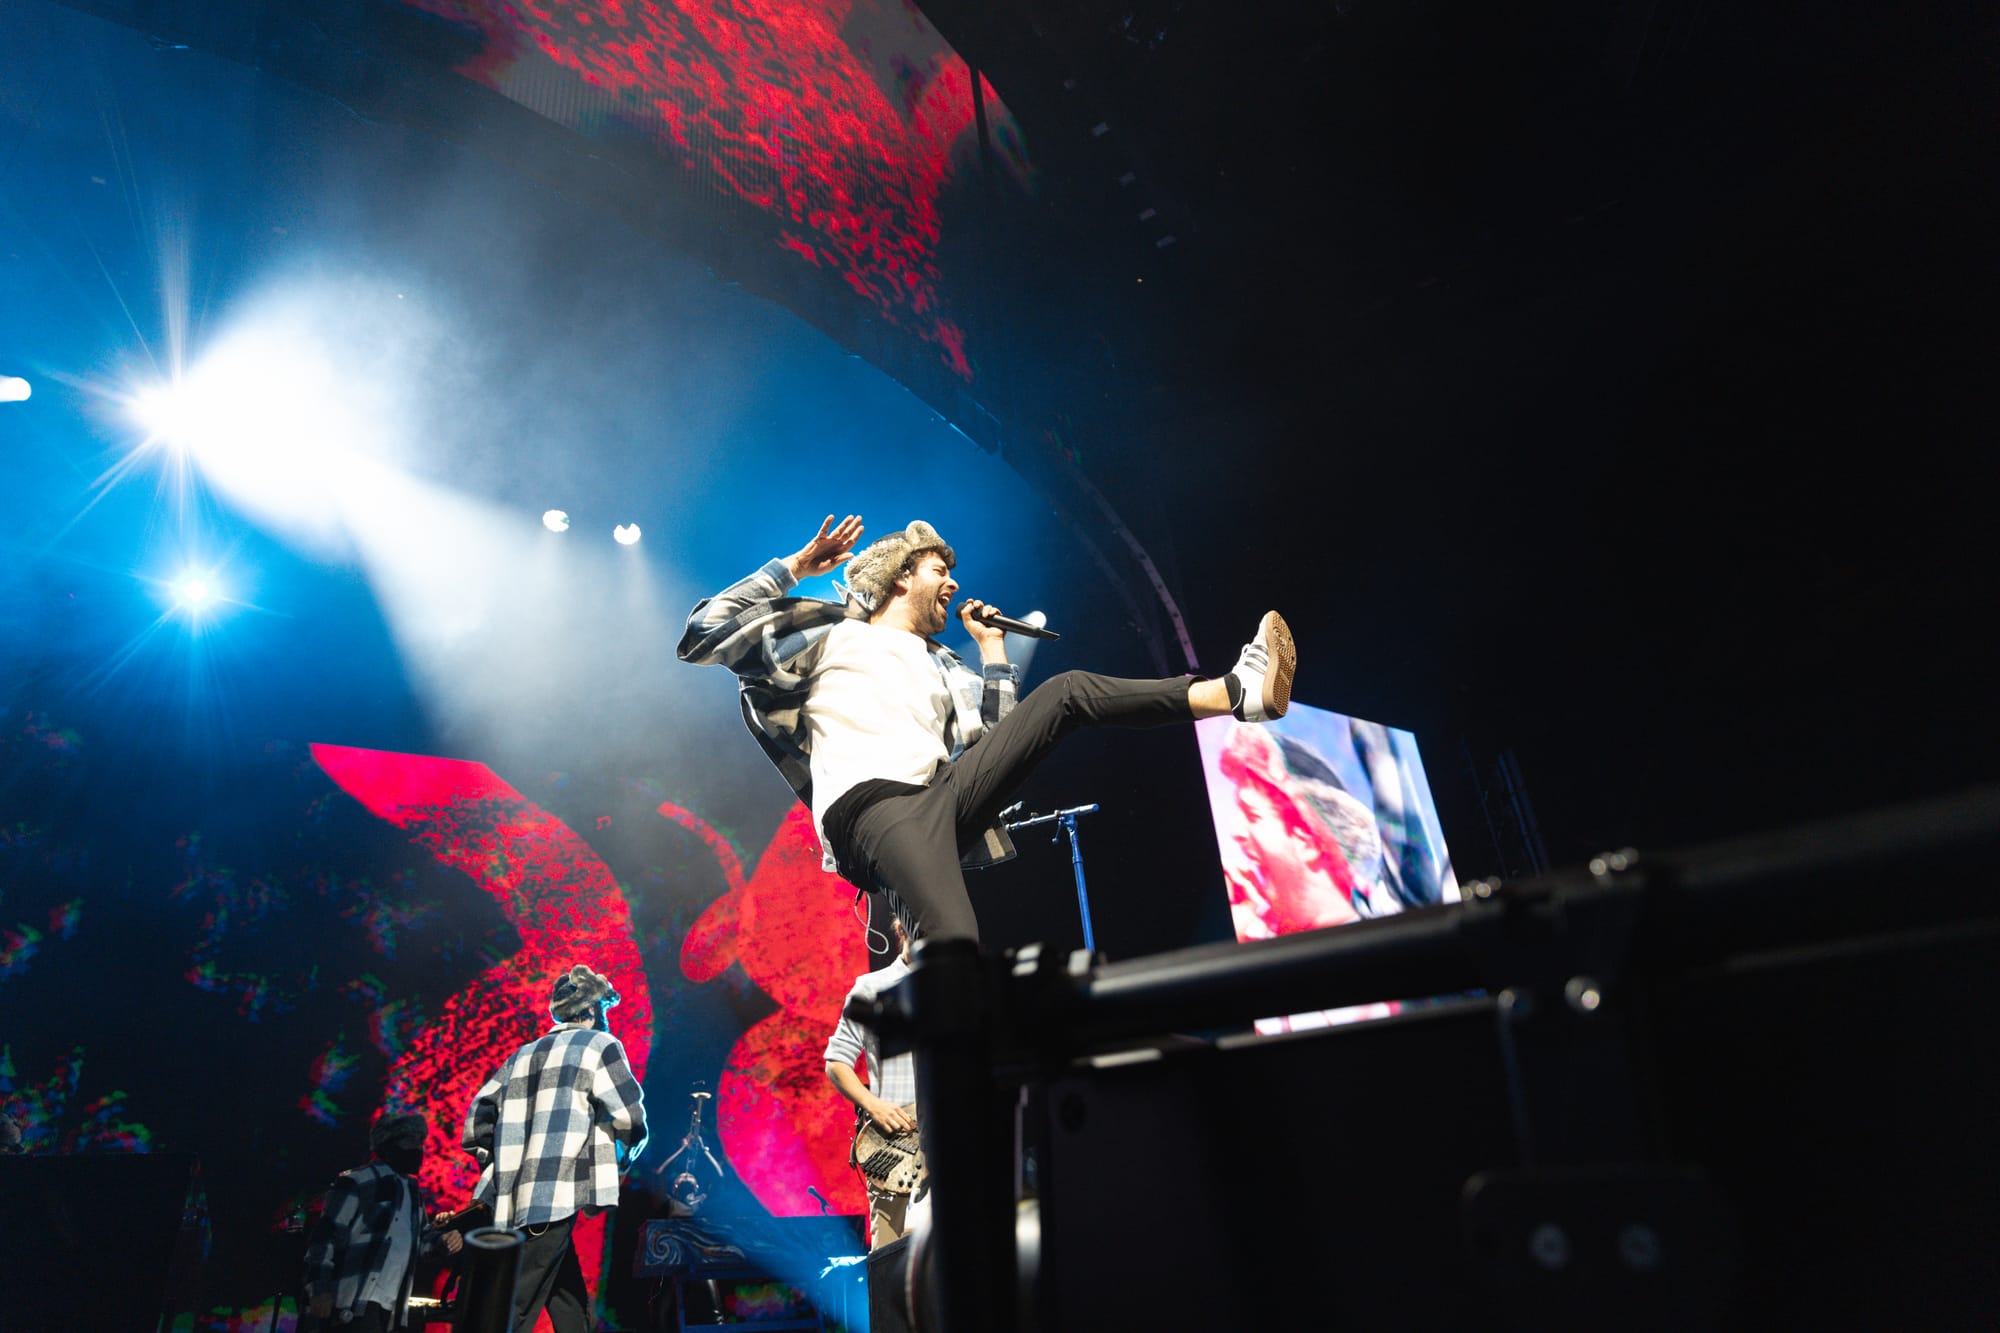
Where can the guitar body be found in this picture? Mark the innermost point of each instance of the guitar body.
(892, 1162)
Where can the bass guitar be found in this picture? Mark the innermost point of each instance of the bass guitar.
(890, 1160)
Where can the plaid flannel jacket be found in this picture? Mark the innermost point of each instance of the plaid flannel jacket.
(350, 1243)
(555, 1126)
(773, 643)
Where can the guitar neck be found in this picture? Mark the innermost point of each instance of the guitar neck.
(471, 1213)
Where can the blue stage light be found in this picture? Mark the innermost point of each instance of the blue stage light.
(555, 520)
(196, 591)
(14, 389)
(627, 534)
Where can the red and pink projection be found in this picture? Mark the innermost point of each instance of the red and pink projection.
(779, 1122)
(839, 118)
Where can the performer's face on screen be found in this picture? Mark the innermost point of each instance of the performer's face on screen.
(929, 587)
(1299, 893)
(1265, 837)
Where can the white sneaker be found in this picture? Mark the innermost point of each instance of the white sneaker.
(1265, 671)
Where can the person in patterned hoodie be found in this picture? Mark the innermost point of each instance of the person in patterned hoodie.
(363, 1250)
(553, 1130)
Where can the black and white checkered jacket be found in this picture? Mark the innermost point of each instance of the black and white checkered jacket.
(350, 1244)
(542, 1165)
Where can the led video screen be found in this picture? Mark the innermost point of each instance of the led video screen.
(844, 125)
(1321, 819)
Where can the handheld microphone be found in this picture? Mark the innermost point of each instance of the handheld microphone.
(1013, 626)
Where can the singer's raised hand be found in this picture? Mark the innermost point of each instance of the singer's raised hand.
(830, 547)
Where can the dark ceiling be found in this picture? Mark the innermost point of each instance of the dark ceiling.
(1609, 385)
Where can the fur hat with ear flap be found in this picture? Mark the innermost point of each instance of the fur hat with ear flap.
(578, 993)
(871, 575)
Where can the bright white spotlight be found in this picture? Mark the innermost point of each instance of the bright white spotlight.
(555, 520)
(165, 413)
(294, 413)
(626, 533)
(196, 592)
(1039, 619)
(14, 389)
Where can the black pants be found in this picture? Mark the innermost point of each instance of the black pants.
(910, 842)
(551, 1276)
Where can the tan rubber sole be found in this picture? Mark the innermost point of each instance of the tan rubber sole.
(1284, 661)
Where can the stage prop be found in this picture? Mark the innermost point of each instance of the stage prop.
(1736, 1086)
(492, 1265)
(761, 1273)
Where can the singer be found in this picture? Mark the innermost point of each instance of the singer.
(873, 722)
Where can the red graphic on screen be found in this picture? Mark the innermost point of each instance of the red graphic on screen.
(561, 900)
(791, 926)
(838, 117)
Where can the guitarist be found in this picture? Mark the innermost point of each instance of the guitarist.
(891, 1105)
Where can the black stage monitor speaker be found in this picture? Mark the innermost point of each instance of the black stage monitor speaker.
(1743, 1086)
(888, 1287)
(89, 1240)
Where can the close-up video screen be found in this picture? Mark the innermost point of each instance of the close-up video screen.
(1322, 819)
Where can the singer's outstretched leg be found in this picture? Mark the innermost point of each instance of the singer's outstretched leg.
(910, 843)
(983, 780)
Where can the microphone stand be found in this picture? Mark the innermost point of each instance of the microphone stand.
(1067, 818)
(693, 1144)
